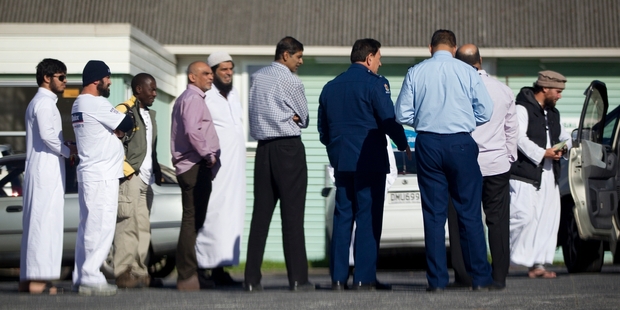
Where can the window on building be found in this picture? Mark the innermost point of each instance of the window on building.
(13, 104)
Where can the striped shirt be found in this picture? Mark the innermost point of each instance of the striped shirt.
(276, 96)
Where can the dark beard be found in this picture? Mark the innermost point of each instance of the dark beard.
(105, 92)
(549, 104)
(223, 88)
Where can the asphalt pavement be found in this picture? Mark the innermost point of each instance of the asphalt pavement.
(568, 291)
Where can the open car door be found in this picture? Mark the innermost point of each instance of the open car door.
(593, 165)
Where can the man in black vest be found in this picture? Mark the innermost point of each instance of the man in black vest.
(534, 192)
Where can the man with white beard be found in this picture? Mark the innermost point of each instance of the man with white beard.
(44, 183)
(219, 240)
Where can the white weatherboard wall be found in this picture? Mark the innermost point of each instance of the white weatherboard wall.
(125, 49)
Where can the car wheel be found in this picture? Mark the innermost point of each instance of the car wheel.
(579, 255)
(161, 267)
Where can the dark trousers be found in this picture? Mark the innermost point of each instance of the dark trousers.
(448, 168)
(280, 173)
(496, 205)
(195, 191)
(359, 197)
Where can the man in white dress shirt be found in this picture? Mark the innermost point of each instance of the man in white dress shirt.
(219, 240)
(44, 183)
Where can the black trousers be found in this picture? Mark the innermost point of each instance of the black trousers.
(496, 206)
(280, 173)
(195, 192)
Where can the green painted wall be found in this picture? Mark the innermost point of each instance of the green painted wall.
(515, 73)
(522, 73)
(314, 77)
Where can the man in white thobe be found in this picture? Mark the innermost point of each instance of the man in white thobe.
(219, 240)
(44, 183)
(534, 193)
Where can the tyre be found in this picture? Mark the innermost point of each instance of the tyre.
(161, 267)
(579, 255)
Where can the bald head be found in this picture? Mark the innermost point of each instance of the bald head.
(470, 55)
(200, 75)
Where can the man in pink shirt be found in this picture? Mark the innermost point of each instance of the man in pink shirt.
(497, 143)
(195, 151)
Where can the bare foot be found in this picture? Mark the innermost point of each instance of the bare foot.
(38, 287)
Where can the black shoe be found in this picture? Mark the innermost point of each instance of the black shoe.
(458, 285)
(303, 287)
(223, 278)
(383, 286)
(491, 287)
(156, 282)
(431, 289)
(360, 286)
(204, 280)
(339, 286)
(252, 287)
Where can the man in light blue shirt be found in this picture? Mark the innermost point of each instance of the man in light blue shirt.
(444, 100)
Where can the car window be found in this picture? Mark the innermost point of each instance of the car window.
(611, 123)
(404, 165)
(593, 117)
(11, 178)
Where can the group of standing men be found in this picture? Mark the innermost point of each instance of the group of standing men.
(508, 163)
(473, 146)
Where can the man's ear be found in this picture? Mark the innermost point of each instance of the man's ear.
(47, 79)
(286, 56)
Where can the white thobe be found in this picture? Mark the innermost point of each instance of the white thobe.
(218, 242)
(43, 190)
(534, 214)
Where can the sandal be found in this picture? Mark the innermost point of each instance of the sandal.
(541, 273)
(48, 290)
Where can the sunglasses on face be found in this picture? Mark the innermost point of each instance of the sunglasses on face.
(61, 77)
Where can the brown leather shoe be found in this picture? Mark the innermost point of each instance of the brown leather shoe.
(190, 284)
(127, 280)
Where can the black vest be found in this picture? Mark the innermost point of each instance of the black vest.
(524, 169)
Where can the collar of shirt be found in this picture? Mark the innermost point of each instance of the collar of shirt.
(280, 66)
(48, 92)
(195, 88)
(439, 54)
(481, 72)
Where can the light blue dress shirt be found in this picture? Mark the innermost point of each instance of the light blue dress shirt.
(443, 95)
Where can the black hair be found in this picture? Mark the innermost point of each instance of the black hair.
(49, 67)
(364, 47)
(443, 36)
(140, 79)
(288, 44)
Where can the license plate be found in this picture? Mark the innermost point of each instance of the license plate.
(404, 197)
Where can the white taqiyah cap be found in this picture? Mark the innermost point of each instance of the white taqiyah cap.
(217, 58)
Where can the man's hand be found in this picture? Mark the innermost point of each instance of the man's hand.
(296, 119)
(212, 160)
(120, 134)
(129, 176)
(408, 152)
(552, 153)
(72, 147)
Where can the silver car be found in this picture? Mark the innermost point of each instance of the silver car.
(403, 225)
(590, 186)
(166, 215)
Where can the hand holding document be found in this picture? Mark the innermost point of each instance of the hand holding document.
(559, 146)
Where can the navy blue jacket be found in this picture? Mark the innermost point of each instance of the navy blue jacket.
(355, 114)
